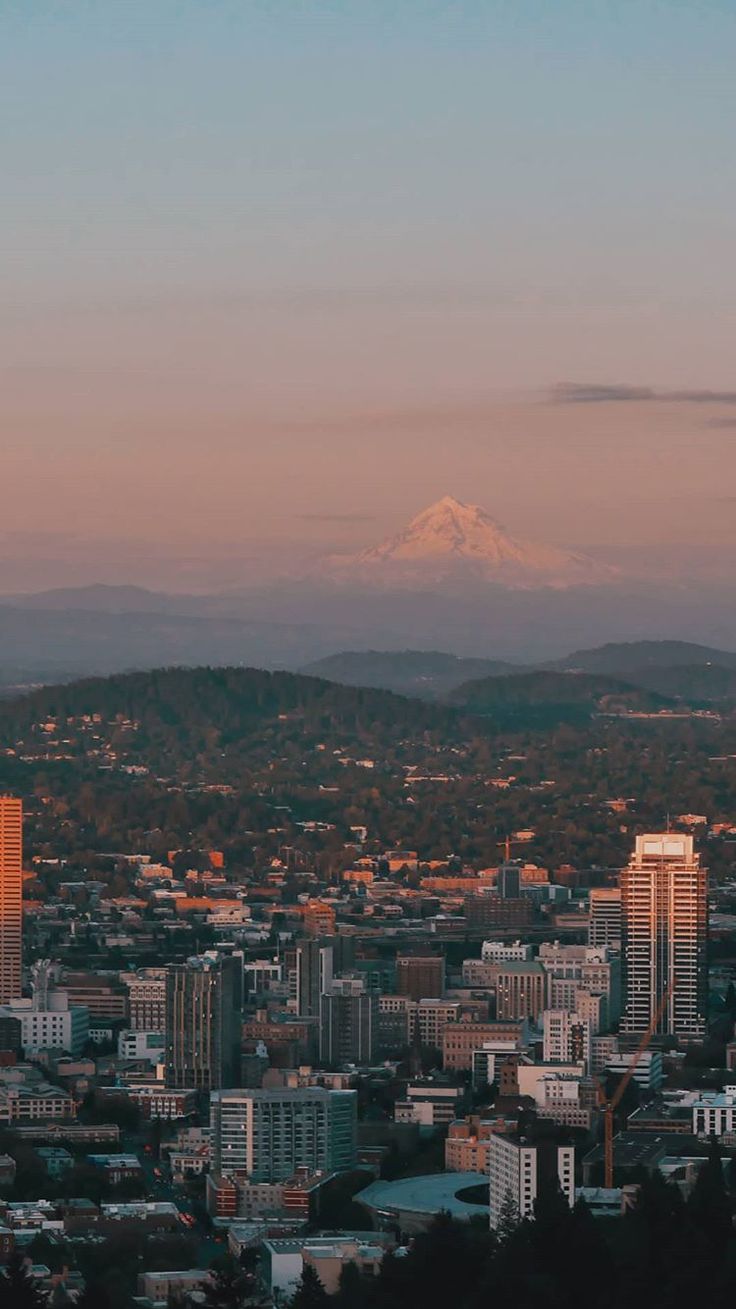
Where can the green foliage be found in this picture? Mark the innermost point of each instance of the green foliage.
(310, 1293)
(18, 1288)
(666, 1253)
(230, 1287)
(238, 760)
(540, 699)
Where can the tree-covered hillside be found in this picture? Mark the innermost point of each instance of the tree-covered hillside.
(542, 698)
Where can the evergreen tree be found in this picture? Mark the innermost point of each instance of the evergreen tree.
(310, 1293)
(509, 1219)
(709, 1206)
(354, 1289)
(97, 1296)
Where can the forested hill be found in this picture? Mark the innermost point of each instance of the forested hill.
(249, 762)
(554, 696)
(183, 711)
(624, 658)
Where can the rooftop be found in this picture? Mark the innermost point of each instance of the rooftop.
(424, 1195)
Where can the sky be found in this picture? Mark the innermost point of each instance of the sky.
(277, 275)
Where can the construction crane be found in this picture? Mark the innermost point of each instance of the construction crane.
(608, 1106)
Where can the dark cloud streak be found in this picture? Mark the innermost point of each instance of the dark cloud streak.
(576, 393)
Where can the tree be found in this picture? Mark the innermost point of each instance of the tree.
(228, 1289)
(709, 1206)
(310, 1293)
(97, 1295)
(18, 1288)
(509, 1218)
(354, 1289)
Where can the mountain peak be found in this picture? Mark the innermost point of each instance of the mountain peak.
(450, 502)
(450, 536)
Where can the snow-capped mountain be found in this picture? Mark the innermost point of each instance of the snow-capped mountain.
(453, 540)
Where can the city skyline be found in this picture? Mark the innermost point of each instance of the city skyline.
(367, 654)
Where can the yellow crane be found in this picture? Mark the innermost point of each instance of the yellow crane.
(608, 1106)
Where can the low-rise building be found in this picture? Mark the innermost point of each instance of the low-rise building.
(138, 1044)
(648, 1073)
(161, 1288)
(56, 1160)
(60, 1026)
(283, 1261)
(505, 952)
(117, 1167)
(430, 1104)
(714, 1113)
(20, 1104)
(468, 1148)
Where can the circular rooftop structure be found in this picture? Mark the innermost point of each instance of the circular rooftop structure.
(413, 1202)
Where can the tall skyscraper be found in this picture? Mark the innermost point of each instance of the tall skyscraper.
(11, 897)
(314, 969)
(664, 931)
(348, 1029)
(604, 927)
(203, 1023)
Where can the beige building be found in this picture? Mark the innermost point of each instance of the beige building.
(468, 1144)
(146, 999)
(461, 1039)
(521, 991)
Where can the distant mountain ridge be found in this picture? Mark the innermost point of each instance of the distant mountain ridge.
(428, 674)
(672, 669)
(622, 656)
(372, 636)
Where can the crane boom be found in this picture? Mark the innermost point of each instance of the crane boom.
(609, 1106)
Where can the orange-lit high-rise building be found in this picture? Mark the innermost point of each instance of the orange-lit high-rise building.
(11, 897)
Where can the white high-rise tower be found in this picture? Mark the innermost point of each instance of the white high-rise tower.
(664, 928)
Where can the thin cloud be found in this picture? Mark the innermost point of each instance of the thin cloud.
(720, 422)
(701, 397)
(575, 393)
(578, 393)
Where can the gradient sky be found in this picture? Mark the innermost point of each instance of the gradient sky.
(291, 270)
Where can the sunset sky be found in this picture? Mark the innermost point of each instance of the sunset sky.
(288, 271)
